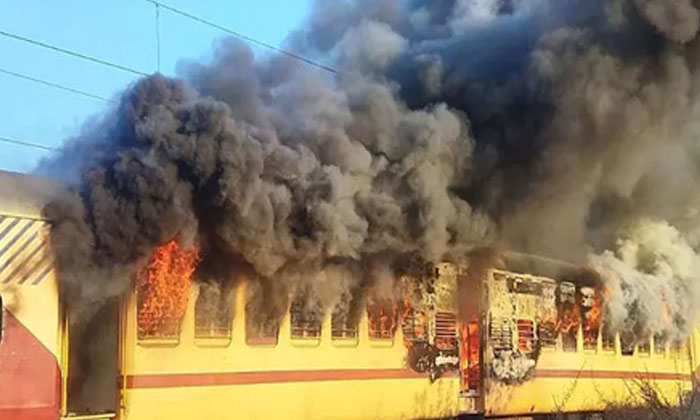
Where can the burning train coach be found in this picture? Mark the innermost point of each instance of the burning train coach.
(528, 338)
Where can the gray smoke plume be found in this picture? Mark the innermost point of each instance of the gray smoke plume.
(543, 125)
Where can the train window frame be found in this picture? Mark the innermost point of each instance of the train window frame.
(303, 340)
(383, 342)
(644, 351)
(343, 341)
(223, 340)
(657, 345)
(605, 349)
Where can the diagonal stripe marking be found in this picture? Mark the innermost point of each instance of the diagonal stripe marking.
(26, 261)
(18, 251)
(38, 279)
(33, 269)
(9, 227)
(16, 238)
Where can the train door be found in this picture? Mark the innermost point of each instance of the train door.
(471, 345)
(92, 362)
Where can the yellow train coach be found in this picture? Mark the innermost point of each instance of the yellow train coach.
(528, 339)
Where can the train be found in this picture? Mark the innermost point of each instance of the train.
(522, 336)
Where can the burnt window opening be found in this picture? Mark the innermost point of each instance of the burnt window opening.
(306, 317)
(265, 307)
(526, 335)
(414, 325)
(445, 331)
(163, 290)
(591, 307)
(381, 319)
(547, 331)
(644, 347)
(469, 352)
(213, 311)
(569, 317)
(524, 286)
(626, 344)
(501, 334)
(659, 344)
(607, 339)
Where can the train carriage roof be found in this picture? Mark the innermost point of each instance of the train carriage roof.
(25, 195)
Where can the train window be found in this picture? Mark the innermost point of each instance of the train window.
(608, 340)
(526, 335)
(343, 324)
(659, 345)
(266, 305)
(306, 316)
(569, 317)
(381, 318)
(626, 344)
(524, 285)
(163, 291)
(547, 311)
(414, 325)
(644, 348)
(501, 334)
(445, 331)
(213, 311)
(591, 308)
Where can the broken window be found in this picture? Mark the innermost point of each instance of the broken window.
(644, 347)
(608, 339)
(501, 334)
(306, 316)
(592, 309)
(526, 335)
(547, 312)
(163, 289)
(569, 316)
(266, 304)
(626, 344)
(445, 331)
(659, 344)
(381, 318)
(213, 311)
(414, 325)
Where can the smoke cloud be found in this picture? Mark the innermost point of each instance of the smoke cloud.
(544, 126)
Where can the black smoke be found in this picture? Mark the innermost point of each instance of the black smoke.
(542, 125)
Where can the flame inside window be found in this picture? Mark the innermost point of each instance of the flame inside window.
(445, 331)
(592, 307)
(526, 335)
(414, 325)
(381, 316)
(569, 316)
(469, 358)
(163, 288)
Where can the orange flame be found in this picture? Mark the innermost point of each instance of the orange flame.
(469, 357)
(592, 321)
(382, 319)
(163, 289)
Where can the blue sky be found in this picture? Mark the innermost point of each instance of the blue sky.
(120, 31)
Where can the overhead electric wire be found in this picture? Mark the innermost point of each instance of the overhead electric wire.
(243, 36)
(27, 144)
(72, 53)
(54, 85)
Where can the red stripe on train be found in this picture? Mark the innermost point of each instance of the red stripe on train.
(267, 377)
(241, 378)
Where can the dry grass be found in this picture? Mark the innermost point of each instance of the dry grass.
(645, 402)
